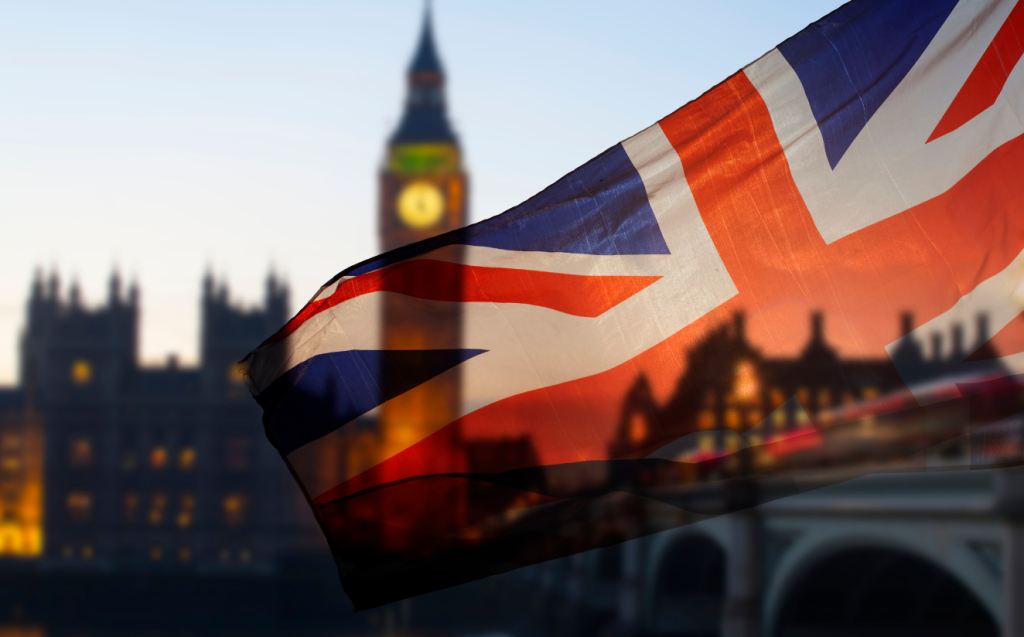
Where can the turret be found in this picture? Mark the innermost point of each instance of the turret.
(228, 332)
(739, 327)
(36, 292)
(53, 286)
(133, 294)
(75, 295)
(957, 355)
(207, 285)
(114, 289)
(817, 349)
(276, 302)
(983, 350)
(936, 346)
(906, 323)
(909, 356)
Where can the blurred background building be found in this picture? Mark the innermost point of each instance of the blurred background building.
(149, 468)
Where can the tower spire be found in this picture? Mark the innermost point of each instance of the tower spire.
(425, 119)
(426, 59)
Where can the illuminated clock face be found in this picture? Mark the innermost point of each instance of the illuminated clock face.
(420, 205)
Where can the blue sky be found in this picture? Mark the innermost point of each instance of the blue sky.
(166, 138)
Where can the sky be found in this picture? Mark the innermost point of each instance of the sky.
(167, 139)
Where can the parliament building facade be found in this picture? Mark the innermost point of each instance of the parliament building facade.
(110, 465)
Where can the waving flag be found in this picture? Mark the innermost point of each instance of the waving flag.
(866, 172)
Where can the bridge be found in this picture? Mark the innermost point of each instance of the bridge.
(932, 553)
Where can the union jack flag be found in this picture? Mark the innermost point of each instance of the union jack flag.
(868, 166)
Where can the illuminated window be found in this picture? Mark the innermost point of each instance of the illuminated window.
(88, 551)
(824, 398)
(236, 374)
(79, 506)
(11, 463)
(184, 554)
(156, 553)
(186, 458)
(244, 555)
(706, 419)
(158, 458)
(131, 505)
(237, 450)
(754, 416)
(777, 397)
(746, 387)
(707, 442)
(803, 395)
(158, 505)
(637, 429)
(732, 418)
(68, 551)
(188, 505)
(235, 505)
(80, 452)
(732, 444)
(81, 372)
(870, 393)
(779, 418)
(847, 398)
(11, 441)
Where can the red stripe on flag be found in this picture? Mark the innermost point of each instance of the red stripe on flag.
(986, 81)
(575, 294)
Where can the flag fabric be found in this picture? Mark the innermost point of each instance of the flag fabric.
(635, 352)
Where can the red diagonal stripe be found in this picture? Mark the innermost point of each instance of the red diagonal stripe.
(575, 294)
(986, 81)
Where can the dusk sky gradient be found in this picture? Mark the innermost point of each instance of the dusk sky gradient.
(165, 139)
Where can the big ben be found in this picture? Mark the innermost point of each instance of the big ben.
(422, 194)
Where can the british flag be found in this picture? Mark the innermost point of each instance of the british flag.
(868, 166)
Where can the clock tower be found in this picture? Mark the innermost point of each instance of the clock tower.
(422, 194)
(422, 184)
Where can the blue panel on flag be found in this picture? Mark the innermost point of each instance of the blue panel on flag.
(329, 390)
(850, 61)
(599, 208)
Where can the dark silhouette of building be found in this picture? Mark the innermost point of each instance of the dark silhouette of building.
(149, 468)
(731, 396)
